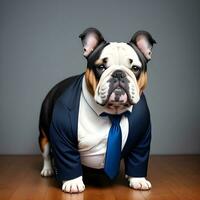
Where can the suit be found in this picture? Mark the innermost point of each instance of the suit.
(63, 135)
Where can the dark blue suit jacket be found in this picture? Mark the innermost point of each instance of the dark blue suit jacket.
(63, 135)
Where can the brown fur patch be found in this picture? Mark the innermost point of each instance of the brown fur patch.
(99, 62)
(91, 81)
(142, 82)
(43, 140)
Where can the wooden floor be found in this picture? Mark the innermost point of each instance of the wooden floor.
(172, 177)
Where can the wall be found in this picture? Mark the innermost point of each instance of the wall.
(39, 46)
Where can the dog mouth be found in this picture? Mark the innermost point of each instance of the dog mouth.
(118, 96)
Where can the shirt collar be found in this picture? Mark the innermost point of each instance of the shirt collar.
(98, 109)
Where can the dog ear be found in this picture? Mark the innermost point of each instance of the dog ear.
(144, 42)
(90, 38)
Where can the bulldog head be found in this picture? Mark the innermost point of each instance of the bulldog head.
(116, 72)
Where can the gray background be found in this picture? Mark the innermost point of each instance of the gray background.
(39, 46)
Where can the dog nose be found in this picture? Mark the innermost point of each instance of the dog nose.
(118, 74)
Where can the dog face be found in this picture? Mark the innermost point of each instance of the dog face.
(116, 72)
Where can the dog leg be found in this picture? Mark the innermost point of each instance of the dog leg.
(47, 169)
(139, 183)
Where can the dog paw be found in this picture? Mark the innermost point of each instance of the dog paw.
(46, 172)
(139, 183)
(73, 186)
(47, 169)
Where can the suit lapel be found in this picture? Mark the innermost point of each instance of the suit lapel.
(129, 141)
(74, 93)
(138, 123)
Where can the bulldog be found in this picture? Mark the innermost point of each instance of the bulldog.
(75, 120)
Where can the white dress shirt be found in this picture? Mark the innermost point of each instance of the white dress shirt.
(93, 130)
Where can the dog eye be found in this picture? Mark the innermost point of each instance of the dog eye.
(101, 67)
(135, 69)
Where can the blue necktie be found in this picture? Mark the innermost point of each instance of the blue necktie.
(113, 152)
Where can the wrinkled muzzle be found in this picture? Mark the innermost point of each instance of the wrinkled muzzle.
(117, 87)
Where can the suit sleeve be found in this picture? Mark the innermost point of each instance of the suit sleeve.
(64, 145)
(136, 162)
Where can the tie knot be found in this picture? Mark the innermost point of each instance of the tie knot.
(115, 119)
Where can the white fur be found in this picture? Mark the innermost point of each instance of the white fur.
(74, 185)
(47, 169)
(118, 55)
(139, 183)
